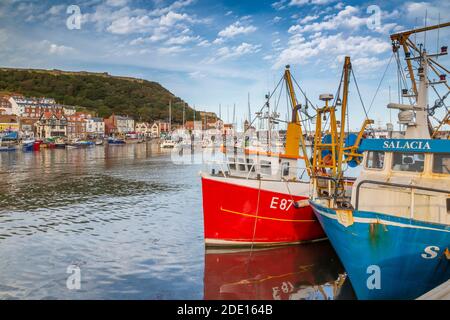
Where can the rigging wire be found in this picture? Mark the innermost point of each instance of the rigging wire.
(378, 88)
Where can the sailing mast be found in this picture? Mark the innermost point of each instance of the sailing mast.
(170, 116)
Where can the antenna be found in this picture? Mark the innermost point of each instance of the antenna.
(425, 34)
(234, 114)
(439, 23)
(249, 109)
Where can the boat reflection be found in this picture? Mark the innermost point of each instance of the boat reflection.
(302, 272)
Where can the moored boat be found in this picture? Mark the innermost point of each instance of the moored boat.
(393, 233)
(259, 196)
(116, 141)
(168, 144)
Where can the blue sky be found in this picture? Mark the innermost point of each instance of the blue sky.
(216, 52)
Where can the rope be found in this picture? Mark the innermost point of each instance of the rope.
(379, 85)
(359, 94)
(254, 226)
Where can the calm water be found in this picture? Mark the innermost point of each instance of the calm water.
(131, 220)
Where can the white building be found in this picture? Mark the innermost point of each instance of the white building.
(21, 105)
(95, 127)
(124, 124)
(144, 129)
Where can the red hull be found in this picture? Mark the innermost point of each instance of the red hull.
(233, 215)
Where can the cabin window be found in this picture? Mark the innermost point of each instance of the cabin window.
(231, 164)
(448, 205)
(242, 166)
(285, 169)
(250, 165)
(266, 167)
(375, 160)
(411, 162)
(441, 163)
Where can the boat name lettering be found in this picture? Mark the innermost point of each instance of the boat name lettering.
(418, 145)
(282, 204)
(430, 252)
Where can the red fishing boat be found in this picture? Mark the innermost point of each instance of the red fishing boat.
(259, 197)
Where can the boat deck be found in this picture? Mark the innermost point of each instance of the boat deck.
(439, 293)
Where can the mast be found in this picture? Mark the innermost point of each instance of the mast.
(347, 70)
(294, 135)
(415, 116)
(170, 115)
(402, 39)
(184, 107)
(249, 109)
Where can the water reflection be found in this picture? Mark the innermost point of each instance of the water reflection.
(310, 271)
(132, 219)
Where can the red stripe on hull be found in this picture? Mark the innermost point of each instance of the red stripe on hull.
(233, 216)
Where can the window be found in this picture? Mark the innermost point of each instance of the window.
(242, 166)
(231, 164)
(285, 169)
(441, 163)
(375, 160)
(265, 167)
(250, 165)
(411, 162)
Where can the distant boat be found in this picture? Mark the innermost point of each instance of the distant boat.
(28, 145)
(168, 144)
(115, 141)
(99, 142)
(84, 143)
(6, 148)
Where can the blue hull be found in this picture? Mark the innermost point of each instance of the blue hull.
(410, 254)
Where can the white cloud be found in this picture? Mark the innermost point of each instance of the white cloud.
(236, 29)
(116, 3)
(174, 6)
(56, 49)
(219, 41)
(171, 50)
(204, 43)
(308, 19)
(237, 51)
(300, 50)
(197, 75)
(346, 18)
(279, 5)
(171, 18)
(277, 19)
(312, 2)
(57, 9)
(127, 25)
(182, 40)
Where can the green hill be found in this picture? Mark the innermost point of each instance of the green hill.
(100, 93)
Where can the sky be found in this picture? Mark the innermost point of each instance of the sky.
(219, 52)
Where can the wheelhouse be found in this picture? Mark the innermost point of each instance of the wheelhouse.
(405, 177)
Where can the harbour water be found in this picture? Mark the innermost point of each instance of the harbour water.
(131, 221)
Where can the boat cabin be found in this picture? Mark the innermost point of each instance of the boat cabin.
(407, 178)
(250, 164)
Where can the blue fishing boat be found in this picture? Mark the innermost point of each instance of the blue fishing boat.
(392, 233)
(28, 145)
(115, 141)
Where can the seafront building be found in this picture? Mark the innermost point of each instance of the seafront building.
(51, 125)
(43, 118)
